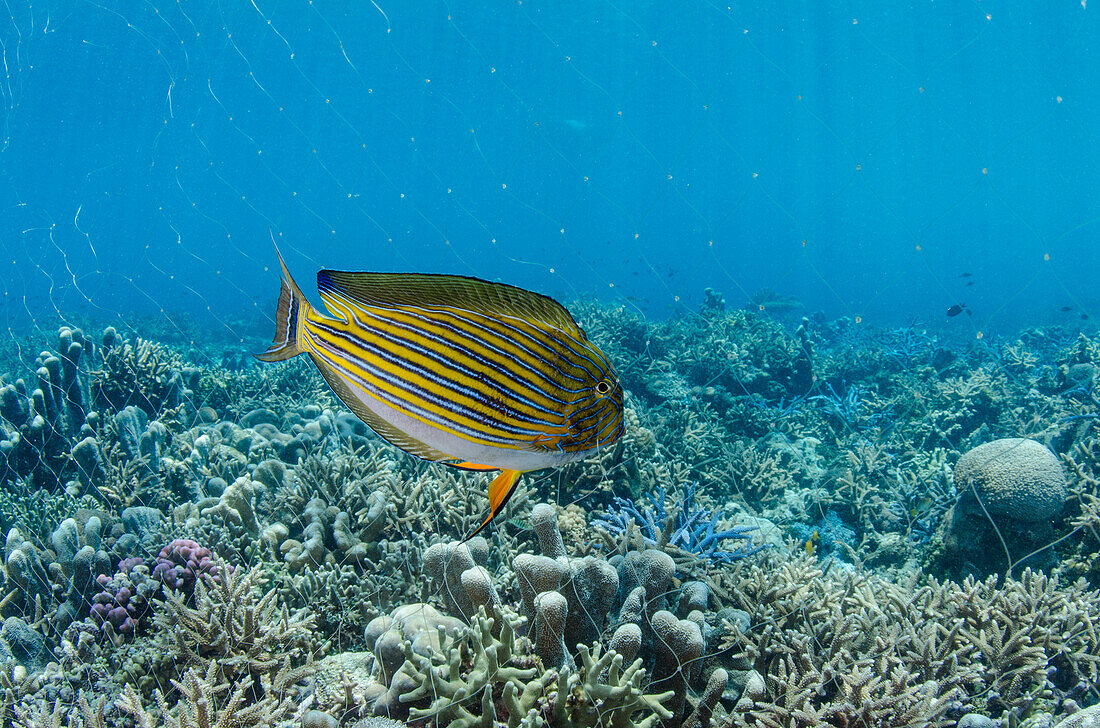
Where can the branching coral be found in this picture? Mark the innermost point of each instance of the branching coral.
(206, 701)
(686, 526)
(247, 639)
(456, 685)
(829, 644)
(144, 374)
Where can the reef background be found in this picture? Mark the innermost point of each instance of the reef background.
(804, 524)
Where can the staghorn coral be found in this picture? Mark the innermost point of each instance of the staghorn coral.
(248, 639)
(874, 439)
(136, 461)
(831, 645)
(143, 374)
(344, 599)
(867, 693)
(686, 526)
(285, 387)
(757, 474)
(205, 701)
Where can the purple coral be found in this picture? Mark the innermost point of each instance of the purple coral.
(123, 599)
(179, 564)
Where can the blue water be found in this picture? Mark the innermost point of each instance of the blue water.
(637, 152)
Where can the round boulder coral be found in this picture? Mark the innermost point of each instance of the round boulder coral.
(1014, 478)
(1010, 492)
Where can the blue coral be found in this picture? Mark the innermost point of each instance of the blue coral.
(696, 528)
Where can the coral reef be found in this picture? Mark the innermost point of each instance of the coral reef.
(805, 523)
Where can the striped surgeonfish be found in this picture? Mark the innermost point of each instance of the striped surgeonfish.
(474, 374)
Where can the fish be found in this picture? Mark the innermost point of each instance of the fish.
(811, 543)
(957, 309)
(965, 275)
(969, 283)
(519, 524)
(1064, 309)
(474, 374)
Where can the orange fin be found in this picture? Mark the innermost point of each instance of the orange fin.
(472, 466)
(500, 490)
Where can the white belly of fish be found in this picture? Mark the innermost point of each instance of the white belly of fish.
(463, 449)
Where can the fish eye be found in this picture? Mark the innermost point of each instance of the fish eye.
(603, 387)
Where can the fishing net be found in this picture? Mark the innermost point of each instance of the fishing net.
(831, 249)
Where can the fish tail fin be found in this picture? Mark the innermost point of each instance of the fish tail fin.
(290, 317)
(500, 490)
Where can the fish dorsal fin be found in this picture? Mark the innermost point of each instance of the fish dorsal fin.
(385, 430)
(428, 290)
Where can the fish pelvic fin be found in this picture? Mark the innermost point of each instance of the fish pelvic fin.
(500, 490)
(467, 465)
(290, 319)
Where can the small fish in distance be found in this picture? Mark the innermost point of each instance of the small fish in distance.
(456, 370)
(1064, 309)
(965, 275)
(957, 309)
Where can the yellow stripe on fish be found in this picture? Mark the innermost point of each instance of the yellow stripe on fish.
(470, 373)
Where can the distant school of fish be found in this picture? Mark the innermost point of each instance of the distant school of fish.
(461, 371)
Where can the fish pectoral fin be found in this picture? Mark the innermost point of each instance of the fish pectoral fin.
(548, 441)
(467, 465)
(500, 490)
